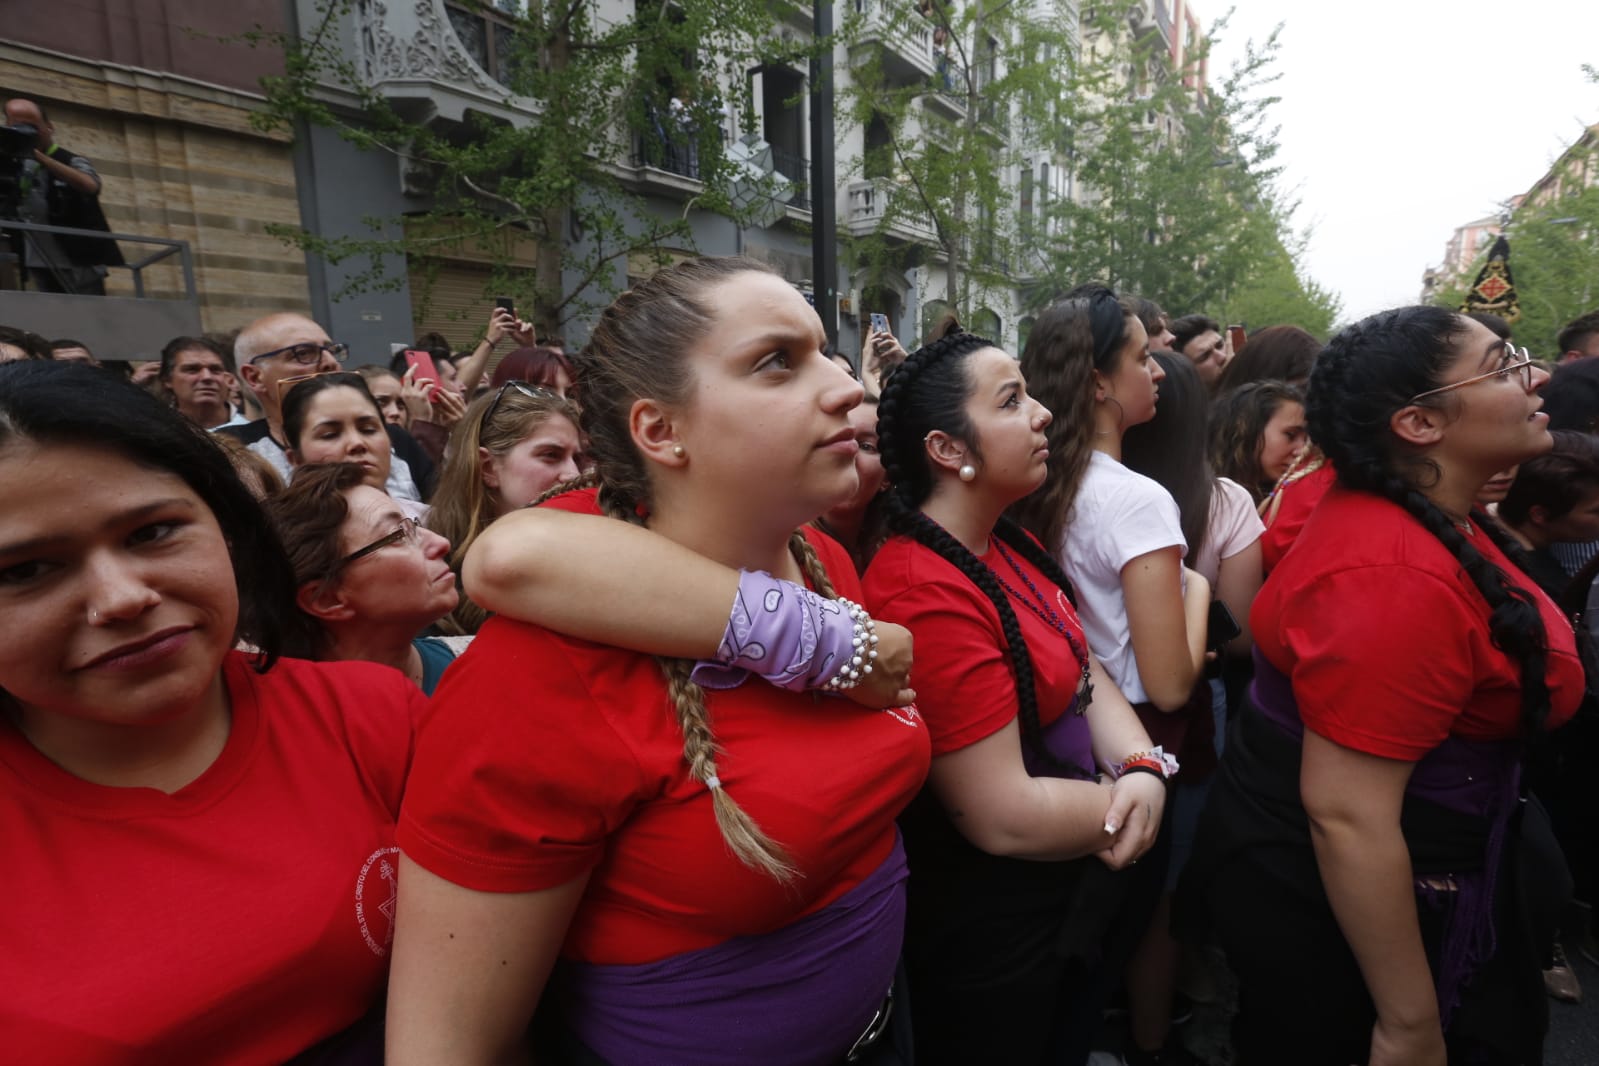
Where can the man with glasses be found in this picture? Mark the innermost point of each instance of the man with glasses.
(271, 353)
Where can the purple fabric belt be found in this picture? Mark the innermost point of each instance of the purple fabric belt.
(798, 996)
(1481, 778)
(1068, 739)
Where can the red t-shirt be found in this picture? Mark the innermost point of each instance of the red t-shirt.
(545, 757)
(1385, 638)
(1296, 501)
(964, 686)
(240, 919)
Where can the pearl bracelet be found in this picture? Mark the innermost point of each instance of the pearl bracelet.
(863, 649)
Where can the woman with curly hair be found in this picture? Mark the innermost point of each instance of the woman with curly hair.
(1365, 860)
(1256, 432)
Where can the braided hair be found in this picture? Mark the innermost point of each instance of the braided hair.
(640, 348)
(929, 392)
(1365, 374)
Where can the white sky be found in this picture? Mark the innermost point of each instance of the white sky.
(1402, 119)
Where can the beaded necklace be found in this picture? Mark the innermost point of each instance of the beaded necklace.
(1038, 604)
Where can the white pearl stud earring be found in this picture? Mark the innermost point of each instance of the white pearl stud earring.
(968, 472)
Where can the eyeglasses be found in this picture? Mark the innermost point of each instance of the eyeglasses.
(1516, 359)
(406, 531)
(530, 391)
(307, 354)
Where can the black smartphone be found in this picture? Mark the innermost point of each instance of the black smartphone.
(506, 303)
(1221, 626)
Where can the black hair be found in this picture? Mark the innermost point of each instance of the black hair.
(1366, 373)
(1557, 480)
(1170, 448)
(178, 345)
(53, 403)
(1497, 324)
(1188, 327)
(1575, 333)
(299, 397)
(928, 392)
(1276, 353)
(35, 346)
(1571, 396)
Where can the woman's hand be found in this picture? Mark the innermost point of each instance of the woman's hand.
(1407, 1045)
(448, 409)
(881, 353)
(889, 683)
(416, 397)
(1136, 803)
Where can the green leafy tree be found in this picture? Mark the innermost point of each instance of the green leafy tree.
(1554, 257)
(944, 149)
(587, 92)
(1180, 197)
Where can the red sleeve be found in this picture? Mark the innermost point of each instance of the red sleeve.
(578, 501)
(964, 687)
(836, 561)
(1361, 676)
(519, 776)
(1297, 502)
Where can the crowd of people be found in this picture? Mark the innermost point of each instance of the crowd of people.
(708, 697)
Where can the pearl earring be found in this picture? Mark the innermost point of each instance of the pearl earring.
(677, 450)
(968, 472)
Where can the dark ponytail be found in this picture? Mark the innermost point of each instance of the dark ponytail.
(926, 392)
(1365, 374)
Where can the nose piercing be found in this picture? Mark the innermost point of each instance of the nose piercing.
(94, 616)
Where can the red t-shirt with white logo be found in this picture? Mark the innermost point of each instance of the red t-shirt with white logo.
(545, 757)
(241, 919)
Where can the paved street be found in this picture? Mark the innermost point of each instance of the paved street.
(1574, 1028)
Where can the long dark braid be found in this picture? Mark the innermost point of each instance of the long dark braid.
(1365, 374)
(916, 400)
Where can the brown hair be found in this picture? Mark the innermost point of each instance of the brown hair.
(309, 515)
(462, 505)
(1082, 333)
(640, 348)
(258, 475)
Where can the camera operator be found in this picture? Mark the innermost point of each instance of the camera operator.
(60, 188)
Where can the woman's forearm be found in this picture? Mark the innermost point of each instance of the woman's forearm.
(1353, 801)
(1113, 724)
(602, 580)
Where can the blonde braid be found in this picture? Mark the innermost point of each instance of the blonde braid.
(742, 835)
(739, 831)
(805, 555)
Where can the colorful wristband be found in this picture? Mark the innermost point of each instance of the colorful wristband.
(791, 637)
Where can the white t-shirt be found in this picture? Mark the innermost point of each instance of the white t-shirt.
(1117, 516)
(1234, 526)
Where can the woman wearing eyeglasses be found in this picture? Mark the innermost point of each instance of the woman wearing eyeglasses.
(1380, 890)
(513, 445)
(199, 841)
(333, 418)
(368, 577)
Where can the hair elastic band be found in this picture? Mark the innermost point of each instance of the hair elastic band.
(713, 782)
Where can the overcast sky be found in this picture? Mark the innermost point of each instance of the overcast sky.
(1402, 119)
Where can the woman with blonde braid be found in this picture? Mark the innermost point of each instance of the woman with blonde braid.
(718, 871)
(513, 445)
(1015, 819)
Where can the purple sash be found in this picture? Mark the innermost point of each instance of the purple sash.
(798, 996)
(1478, 778)
(1068, 739)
